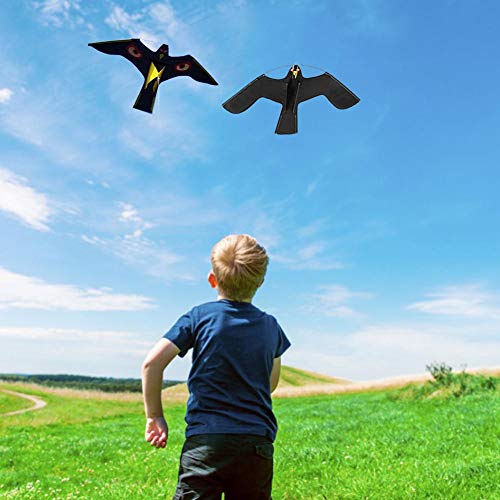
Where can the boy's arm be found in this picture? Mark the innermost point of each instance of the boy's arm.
(275, 373)
(152, 380)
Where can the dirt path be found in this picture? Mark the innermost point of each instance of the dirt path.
(39, 403)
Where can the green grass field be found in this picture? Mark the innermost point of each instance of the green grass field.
(10, 403)
(335, 446)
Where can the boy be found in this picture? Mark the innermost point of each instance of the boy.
(236, 365)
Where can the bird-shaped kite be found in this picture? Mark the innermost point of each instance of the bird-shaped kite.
(290, 92)
(156, 67)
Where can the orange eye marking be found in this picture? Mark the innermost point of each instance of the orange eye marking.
(134, 51)
(182, 66)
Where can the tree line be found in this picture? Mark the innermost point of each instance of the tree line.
(105, 384)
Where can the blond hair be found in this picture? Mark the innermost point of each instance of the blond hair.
(239, 264)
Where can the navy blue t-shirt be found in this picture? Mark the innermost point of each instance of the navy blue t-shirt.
(234, 345)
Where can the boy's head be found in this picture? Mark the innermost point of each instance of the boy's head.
(239, 265)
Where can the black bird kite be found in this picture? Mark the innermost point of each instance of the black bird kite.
(156, 67)
(290, 92)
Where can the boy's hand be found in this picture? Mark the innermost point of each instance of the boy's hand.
(156, 432)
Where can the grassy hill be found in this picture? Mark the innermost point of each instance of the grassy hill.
(290, 377)
(9, 403)
(294, 377)
(89, 444)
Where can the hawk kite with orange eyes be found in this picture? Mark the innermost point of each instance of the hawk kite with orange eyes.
(156, 67)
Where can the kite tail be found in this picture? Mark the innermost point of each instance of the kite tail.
(287, 123)
(146, 99)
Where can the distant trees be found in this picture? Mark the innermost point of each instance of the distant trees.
(105, 384)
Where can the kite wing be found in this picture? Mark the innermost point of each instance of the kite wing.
(188, 66)
(337, 93)
(133, 50)
(263, 86)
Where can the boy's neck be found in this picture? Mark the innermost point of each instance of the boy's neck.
(222, 297)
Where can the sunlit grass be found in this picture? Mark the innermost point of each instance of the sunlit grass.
(333, 446)
(66, 410)
(9, 402)
(369, 446)
(297, 378)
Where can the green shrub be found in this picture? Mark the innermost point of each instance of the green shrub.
(441, 373)
(447, 384)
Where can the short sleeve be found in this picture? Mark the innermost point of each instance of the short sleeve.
(283, 343)
(182, 334)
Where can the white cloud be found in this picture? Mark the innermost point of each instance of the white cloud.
(268, 222)
(69, 350)
(60, 12)
(311, 187)
(139, 251)
(309, 264)
(20, 123)
(134, 248)
(468, 301)
(73, 335)
(332, 301)
(274, 225)
(5, 94)
(22, 201)
(153, 24)
(39, 120)
(308, 258)
(310, 251)
(367, 18)
(129, 214)
(18, 291)
(312, 228)
(264, 228)
(387, 350)
(173, 118)
(133, 24)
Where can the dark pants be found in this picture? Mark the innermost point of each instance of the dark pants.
(240, 466)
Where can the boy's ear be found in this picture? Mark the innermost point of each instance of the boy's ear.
(212, 280)
(261, 283)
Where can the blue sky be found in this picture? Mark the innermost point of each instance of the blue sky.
(381, 221)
